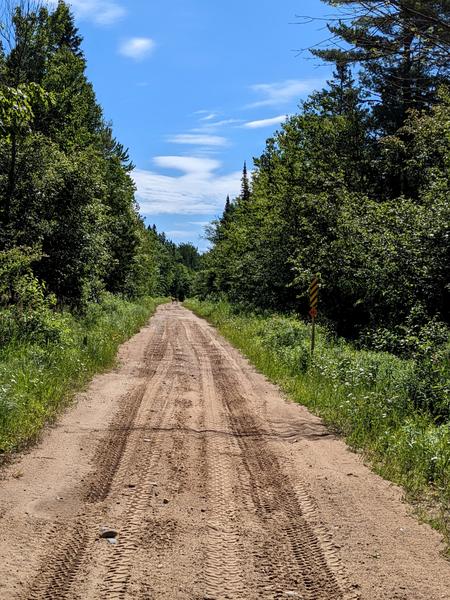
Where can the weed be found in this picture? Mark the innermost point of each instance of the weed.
(38, 375)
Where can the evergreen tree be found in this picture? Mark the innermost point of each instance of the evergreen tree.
(342, 104)
(62, 31)
(245, 185)
(401, 56)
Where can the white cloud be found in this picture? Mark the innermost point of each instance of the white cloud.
(210, 127)
(102, 12)
(264, 122)
(137, 48)
(187, 164)
(201, 223)
(206, 115)
(209, 117)
(198, 190)
(282, 92)
(198, 139)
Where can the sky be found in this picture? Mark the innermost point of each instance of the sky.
(194, 88)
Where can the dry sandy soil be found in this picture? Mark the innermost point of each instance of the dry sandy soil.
(216, 485)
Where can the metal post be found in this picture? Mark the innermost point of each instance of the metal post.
(313, 335)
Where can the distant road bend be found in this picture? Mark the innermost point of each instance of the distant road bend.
(183, 474)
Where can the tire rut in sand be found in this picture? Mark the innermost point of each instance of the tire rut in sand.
(56, 576)
(145, 459)
(225, 559)
(292, 557)
(110, 452)
(69, 541)
(138, 503)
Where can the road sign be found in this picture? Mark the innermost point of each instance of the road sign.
(314, 293)
(313, 302)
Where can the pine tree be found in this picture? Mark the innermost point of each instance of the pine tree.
(342, 104)
(402, 53)
(63, 33)
(227, 209)
(245, 185)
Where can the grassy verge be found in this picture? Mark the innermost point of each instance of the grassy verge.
(37, 378)
(364, 395)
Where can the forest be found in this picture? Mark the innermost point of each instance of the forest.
(354, 188)
(69, 224)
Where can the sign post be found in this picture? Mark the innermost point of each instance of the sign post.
(313, 301)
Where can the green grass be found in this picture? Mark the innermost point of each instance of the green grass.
(366, 396)
(37, 378)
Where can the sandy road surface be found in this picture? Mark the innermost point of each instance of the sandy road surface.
(217, 487)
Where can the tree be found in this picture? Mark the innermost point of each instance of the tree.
(65, 187)
(189, 256)
(402, 46)
(245, 185)
(17, 113)
(62, 31)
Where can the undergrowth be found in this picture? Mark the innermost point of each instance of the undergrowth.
(367, 396)
(53, 355)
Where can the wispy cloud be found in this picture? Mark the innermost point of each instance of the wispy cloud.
(210, 127)
(187, 164)
(283, 92)
(206, 115)
(198, 190)
(137, 48)
(264, 122)
(209, 117)
(102, 12)
(200, 223)
(198, 139)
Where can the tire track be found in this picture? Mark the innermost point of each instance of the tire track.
(70, 541)
(292, 558)
(110, 453)
(57, 575)
(144, 459)
(226, 562)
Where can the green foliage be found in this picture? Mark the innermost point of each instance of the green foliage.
(402, 47)
(26, 311)
(38, 376)
(65, 183)
(315, 207)
(16, 107)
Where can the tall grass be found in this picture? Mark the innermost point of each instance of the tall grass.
(366, 396)
(37, 377)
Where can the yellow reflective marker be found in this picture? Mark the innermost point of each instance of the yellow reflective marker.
(313, 302)
(314, 293)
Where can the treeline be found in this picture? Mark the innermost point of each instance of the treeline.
(69, 224)
(355, 187)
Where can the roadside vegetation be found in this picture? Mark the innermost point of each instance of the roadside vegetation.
(50, 355)
(78, 265)
(380, 402)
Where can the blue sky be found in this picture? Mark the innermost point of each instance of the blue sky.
(194, 88)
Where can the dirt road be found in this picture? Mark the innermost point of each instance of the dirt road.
(216, 486)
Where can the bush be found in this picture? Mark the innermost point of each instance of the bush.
(26, 310)
(39, 373)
